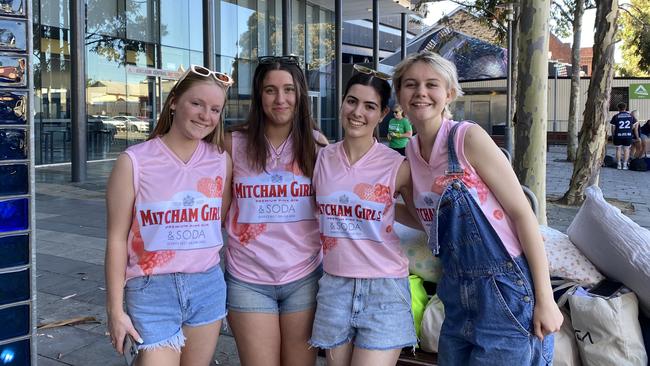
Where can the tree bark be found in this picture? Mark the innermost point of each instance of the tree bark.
(593, 134)
(572, 129)
(515, 71)
(530, 134)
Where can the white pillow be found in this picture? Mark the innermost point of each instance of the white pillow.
(618, 246)
(421, 261)
(565, 260)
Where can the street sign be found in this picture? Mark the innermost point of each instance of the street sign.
(639, 91)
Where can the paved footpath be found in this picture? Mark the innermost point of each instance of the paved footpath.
(70, 240)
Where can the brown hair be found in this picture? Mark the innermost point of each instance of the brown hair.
(302, 129)
(186, 83)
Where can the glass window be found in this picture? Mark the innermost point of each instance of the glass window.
(226, 40)
(106, 18)
(141, 20)
(107, 95)
(196, 26)
(140, 54)
(269, 27)
(247, 29)
(174, 23)
(196, 58)
(298, 15)
(55, 13)
(175, 58)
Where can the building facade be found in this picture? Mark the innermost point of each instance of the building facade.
(136, 49)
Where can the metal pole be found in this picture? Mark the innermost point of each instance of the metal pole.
(78, 90)
(404, 51)
(375, 35)
(286, 27)
(208, 34)
(338, 47)
(555, 99)
(508, 129)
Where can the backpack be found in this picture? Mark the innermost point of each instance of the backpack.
(638, 165)
(609, 161)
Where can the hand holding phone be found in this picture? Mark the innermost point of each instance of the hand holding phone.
(130, 349)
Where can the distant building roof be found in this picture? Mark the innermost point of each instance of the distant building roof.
(474, 59)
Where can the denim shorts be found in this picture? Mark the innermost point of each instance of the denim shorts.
(291, 297)
(160, 305)
(372, 313)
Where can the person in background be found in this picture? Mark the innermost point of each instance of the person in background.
(624, 131)
(273, 257)
(399, 130)
(642, 144)
(165, 200)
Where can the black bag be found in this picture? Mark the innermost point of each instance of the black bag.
(638, 165)
(610, 161)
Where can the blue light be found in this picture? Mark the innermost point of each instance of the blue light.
(7, 356)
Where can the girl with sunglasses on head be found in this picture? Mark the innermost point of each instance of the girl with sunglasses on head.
(165, 200)
(273, 255)
(364, 302)
(499, 306)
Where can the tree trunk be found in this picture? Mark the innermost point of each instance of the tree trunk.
(572, 132)
(593, 134)
(530, 134)
(515, 70)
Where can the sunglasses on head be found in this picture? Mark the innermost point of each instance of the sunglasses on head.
(287, 60)
(222, 78)
(371, 72)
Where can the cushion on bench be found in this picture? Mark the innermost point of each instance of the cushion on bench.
(565, 260)
(614, 243)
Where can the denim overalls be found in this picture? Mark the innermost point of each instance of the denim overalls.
(487, 294)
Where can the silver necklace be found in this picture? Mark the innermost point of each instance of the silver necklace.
(277, 155)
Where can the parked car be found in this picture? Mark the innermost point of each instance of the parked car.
(118, 124)
(133, 124)
(98, 122)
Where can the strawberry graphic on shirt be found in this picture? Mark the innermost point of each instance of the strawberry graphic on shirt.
(212, 188)
(470, 180)
(294, 168)
(246, 232)
(377, 193)
(148, 261)
(328, 243)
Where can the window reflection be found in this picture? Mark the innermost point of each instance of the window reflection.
(105, 18)
(141, 22)
(124, 36)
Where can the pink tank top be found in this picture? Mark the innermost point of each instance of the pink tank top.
(356, 213)
(429, 181)
(272, 228)
(177, 212)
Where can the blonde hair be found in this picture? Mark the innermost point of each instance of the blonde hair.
(439, 64)
(166, 118)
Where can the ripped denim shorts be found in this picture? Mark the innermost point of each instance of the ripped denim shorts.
(160, 305)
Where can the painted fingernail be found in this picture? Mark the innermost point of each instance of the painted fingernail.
(140, 340)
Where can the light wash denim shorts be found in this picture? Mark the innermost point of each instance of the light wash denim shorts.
(373, 313)
(160, 305)
(291, 297)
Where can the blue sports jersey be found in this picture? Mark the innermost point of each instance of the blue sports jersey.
(623, 123)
